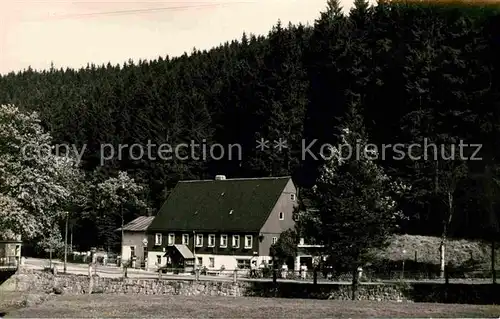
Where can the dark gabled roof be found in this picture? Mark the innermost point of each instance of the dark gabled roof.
(141, 223)
(219, 205)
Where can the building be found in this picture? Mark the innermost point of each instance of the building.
(10, 251)
(134, 241)
(225, 223)
(181, 258)
(308, 254)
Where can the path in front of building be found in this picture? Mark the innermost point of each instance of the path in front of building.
(117, 272)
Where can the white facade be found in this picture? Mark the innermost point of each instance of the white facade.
(215, 262)
(127, 252)
(133, 242)
(228, 262)
(156, 260)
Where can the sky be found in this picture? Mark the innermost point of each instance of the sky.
(68, 33)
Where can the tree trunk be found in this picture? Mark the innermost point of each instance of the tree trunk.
(66, 242)
(493, 272)
(442, 256)
(275, 270)
(121, 239)
(446, 224)
(354, 283)
(91, 283)
(436, 178)
(71, 239)
(315, 275)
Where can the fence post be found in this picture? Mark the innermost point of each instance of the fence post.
(275, 275)
(416, 254)
(315, 275)
(235, 275)
(90, 278)
(446, 280)
(447, 274)
(197, 274)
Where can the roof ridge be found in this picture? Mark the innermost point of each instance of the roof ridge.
(234, 179)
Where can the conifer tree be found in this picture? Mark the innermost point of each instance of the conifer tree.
(355, 200)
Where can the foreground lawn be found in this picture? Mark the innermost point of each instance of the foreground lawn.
(9, 301)
(134, 306)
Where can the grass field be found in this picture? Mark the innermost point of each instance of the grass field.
(134, 306)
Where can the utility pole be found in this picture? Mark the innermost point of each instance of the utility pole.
(66, 242)
(194, 250)
(121, 242)
(196, 267)
(50, 254)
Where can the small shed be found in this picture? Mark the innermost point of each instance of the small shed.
(180, 257)
(10, 251)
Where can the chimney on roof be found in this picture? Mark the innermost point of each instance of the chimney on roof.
(220, 177)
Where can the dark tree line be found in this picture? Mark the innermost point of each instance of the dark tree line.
(415, 72)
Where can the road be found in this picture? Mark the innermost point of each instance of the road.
(117, 272)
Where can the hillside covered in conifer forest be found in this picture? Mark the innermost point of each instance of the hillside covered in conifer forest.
(414, 71)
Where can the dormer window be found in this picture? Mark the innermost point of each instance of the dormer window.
(282, 216)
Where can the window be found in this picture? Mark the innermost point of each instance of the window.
(211, 262)
(282, 215)
(248, 241)
(158, 239)
(243, 263)
(275, 240)
(158, 260)
(185, 239)
(236, 241)
(211, 240)
(199, 240)
(171, 239)
(200, 261)
(223, 241)
(301, 241)
(292, 197)
(132, 251)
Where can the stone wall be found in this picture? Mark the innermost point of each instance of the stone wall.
(44, 282)
(38, 281)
